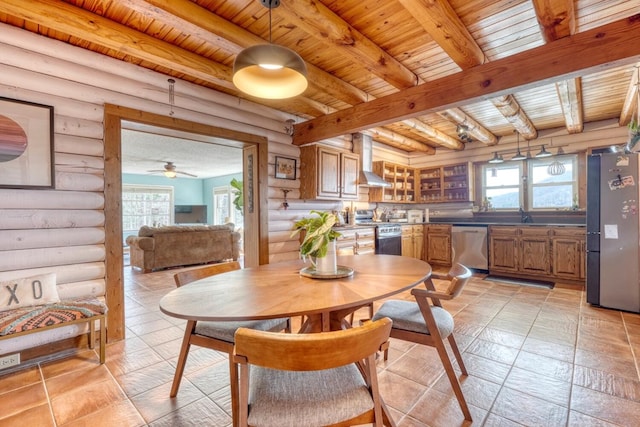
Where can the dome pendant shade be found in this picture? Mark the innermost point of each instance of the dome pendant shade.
(519, 156)
(543, 153)
(270, 71)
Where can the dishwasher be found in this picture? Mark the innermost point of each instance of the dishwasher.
(469, 246)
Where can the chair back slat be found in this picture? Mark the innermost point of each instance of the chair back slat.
(460, 275)
(309, 352)
(189, 276)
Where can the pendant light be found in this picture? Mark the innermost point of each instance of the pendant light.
(557, 167)
(496, 158)
(270, 71)
(543, 153)
(519, 155)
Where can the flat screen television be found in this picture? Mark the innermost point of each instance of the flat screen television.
(190, 214)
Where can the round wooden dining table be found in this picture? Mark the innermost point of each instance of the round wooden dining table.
(279, 290)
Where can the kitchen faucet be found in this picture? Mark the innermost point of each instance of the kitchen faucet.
(524, 218)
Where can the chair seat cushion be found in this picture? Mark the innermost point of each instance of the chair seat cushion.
(305, 399)
(226, 331)
(406, 315)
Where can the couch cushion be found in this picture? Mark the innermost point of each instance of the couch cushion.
(28, 291)
(146, 231)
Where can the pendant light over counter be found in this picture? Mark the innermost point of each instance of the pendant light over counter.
(270, 71)
(519, 155)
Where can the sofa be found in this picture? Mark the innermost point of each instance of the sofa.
(155, 248)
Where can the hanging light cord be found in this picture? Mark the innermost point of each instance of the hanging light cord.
(270, 7)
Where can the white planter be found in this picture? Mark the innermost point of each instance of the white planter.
(327, 264)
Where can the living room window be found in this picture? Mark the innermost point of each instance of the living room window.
(146, 205)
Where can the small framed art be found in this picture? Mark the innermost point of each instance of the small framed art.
(285, 168)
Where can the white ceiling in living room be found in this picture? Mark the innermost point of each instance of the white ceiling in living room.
(146, 148)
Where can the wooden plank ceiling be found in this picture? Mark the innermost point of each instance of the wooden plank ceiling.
(408, 72)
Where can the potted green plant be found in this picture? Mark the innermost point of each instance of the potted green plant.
(318, 240)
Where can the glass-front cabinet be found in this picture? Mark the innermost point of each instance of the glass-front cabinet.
(402, 180)
(450, 183)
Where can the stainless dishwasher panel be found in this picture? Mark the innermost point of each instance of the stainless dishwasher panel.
(469, 246)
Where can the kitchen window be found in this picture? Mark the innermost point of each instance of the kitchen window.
(510, 185)
(548, 191)
(501, 185)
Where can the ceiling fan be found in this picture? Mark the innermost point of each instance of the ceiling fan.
(170, 171)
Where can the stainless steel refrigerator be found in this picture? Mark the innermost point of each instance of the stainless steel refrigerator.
(613, 231)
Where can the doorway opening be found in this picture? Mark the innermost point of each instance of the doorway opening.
(255, 151)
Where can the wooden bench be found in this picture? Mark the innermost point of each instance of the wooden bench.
(28, 320)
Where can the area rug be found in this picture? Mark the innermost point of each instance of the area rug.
(520, 282)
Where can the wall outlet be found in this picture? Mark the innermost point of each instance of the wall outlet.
(10, 360)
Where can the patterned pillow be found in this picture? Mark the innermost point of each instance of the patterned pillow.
(28, 291)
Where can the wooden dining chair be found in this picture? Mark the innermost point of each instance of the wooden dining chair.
(429, 324)
(217, 335)
(321, 379)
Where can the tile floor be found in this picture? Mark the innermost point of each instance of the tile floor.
(536, 357)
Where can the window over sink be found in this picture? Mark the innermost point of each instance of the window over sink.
(530, 184)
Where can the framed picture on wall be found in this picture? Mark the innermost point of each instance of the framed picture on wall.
(26, 145)
(285, 168)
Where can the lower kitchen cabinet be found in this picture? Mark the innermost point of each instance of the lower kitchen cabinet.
(569, 256)
(413, 241)
(539, 252)
(437, 244)
(356, 241)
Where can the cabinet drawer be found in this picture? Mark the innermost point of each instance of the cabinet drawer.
(365, 244)
(366, 233)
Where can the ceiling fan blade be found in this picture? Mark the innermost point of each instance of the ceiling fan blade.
(187, 173)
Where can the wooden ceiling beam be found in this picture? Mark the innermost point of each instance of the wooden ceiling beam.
(434, 134)
(598, 49)
(456, 115)
(192, 19)
(442, 23)
(320, 22)
(557, 19)
(438, 18)
(396, 140)
(510, 109)
(570, 94)
(63, 17)
(632, 100)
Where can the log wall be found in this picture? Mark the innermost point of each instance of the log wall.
(61, 230)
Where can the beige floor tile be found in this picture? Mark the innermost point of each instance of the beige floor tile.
(528, 410)
(604, 406)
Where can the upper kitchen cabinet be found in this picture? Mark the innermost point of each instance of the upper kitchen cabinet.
(328, 173)
(451, 183)
(402, 180)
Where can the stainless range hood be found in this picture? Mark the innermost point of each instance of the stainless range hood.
(363, 145)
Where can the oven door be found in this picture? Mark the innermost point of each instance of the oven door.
(389, 245)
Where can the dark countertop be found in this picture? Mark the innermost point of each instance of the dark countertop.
(485, 224)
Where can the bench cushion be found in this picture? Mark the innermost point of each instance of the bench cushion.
(28, 318)
(28, 292)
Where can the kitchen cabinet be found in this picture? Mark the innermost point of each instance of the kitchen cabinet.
(356, 241)
(568, 252)
(450, 183)
(413, 241)
(328, 173)
(538, 252)
(437, 244)
(402, 183)
(514, 249)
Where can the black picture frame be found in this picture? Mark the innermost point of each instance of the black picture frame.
(285, 168)
(26, 145)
